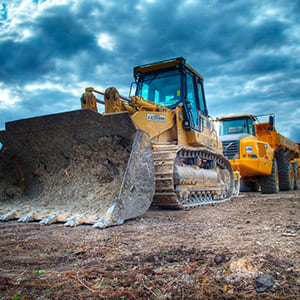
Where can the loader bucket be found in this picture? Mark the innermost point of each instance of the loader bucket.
(78, 167)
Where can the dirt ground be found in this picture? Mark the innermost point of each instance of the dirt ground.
(245, 248)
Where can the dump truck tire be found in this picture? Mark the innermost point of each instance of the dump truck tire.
(296, 175)
(269, 184)
(285, 173)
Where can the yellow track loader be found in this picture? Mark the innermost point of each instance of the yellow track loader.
(157, 147)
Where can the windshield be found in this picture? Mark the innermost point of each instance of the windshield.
(236, 126)
(161, 88)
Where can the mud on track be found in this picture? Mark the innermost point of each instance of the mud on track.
(212, 252)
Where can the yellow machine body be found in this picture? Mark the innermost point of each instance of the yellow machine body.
(259, 153)
(102, 169)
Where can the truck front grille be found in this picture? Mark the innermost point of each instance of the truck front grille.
(230, 149)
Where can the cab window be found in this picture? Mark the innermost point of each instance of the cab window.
(192, 100)
(162, 88)
(251, 127)
(234, 126)
(201, 98)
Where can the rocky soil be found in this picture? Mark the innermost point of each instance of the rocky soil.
(246, 248)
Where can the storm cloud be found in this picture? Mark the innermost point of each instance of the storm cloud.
(247, 51)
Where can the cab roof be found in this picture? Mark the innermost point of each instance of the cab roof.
(165, 64)
(237, 117)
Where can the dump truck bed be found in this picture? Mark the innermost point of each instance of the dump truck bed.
(268, 133)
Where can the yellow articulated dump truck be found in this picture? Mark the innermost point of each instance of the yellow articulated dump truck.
(265, 159)
(157, 147)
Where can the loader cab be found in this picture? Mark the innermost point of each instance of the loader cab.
(243, 124)
(173, 83)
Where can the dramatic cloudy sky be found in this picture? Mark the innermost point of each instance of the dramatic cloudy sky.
(247, 50)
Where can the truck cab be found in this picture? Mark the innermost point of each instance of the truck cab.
(237, 125)
(248, 155)
(175, 85)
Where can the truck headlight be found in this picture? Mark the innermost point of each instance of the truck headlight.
(248, 149)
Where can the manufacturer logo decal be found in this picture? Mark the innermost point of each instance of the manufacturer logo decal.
(156, 118)
(229, 145)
